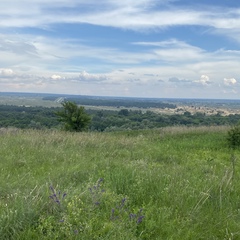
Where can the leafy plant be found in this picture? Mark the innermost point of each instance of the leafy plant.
(234, 136)
(74, 117)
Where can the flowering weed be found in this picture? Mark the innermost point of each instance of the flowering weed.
(86, 215)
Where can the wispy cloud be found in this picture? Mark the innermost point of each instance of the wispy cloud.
(135, 15)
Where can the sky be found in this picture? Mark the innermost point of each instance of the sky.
(127, 48)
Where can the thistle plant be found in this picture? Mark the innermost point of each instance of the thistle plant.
(121, 212)
(57, 197)
(96, 192)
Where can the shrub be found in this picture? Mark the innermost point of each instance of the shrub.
(234, 136)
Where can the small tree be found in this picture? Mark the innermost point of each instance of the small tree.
(234, 136)
(75, 118)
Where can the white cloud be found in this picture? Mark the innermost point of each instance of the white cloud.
(129, 14)
(56, 77)
(6, 72)
(229, 81)
(204, 80)
(177, 80)
(87, 77)
(167, 43)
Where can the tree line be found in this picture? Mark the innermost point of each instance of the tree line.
(115, 102)
(104, 120)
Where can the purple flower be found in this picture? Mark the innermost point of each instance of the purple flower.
(56, 196)
(100, 180)
(112, 215)
(123, 202)
(139, 220)
(52, 189)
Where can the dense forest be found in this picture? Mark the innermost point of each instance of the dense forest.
(107, 120)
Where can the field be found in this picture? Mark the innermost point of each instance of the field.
(33, 101)
(170, 183)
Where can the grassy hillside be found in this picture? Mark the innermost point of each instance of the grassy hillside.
(172, 183)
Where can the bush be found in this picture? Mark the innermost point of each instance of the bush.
(234, 136)
(74, 117)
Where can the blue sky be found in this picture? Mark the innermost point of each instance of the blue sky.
(144, 48)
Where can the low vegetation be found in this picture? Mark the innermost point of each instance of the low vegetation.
(105, 120)
(166, 183)
(234, 136)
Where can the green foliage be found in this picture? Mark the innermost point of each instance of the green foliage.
(27, 117)
(123, 112)
(234, 136)
(74, 117)
(106, 120)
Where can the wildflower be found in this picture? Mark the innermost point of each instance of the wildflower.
(99, 182)
(52, 189)
(132, 216)
(97, 203)
(56, 197)
(139, 220)
(123, 202)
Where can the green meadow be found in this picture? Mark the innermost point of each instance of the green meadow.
(170, 183)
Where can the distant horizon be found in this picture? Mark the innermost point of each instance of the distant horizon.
(82, 95)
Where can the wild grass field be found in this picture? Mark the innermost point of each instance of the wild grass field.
(171, 183)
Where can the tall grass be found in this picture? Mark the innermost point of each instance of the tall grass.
(171, 183)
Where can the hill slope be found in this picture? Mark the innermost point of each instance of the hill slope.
(172, 183)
